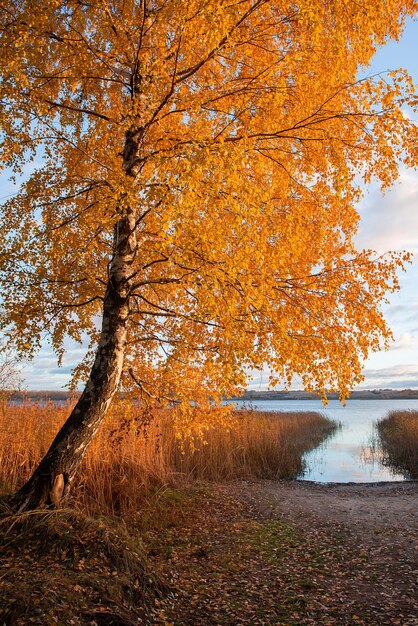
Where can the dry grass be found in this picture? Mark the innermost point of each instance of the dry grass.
(398, 438)
(62, 567)
(127, 460)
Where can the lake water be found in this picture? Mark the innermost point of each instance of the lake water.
(347, 456)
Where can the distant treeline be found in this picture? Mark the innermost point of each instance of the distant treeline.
(42, 396)
(366, 394)
(374, 394)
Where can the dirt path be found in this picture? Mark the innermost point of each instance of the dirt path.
(267, 552)
(249, 553)
(363, 507)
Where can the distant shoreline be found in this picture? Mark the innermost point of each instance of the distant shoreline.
(366, 394)
(248, 396)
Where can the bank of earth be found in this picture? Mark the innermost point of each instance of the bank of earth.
(246, 552)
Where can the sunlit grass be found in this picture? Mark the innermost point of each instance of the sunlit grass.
(127, 460)
(398, 439)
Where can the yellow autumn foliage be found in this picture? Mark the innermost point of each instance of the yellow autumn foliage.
(251, 136)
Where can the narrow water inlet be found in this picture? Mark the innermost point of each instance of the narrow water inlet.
(350, 455)
(346, 457)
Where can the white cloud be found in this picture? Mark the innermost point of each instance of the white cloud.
(401, 376)
(405, 341)
(401, 312)
(43, 372)
(390, 221)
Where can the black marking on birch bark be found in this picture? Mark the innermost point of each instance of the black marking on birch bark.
(52, 479)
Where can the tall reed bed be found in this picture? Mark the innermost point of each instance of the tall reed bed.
(398, 439)
(128, 458)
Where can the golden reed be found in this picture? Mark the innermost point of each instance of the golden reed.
(129, 457)
(398, 435)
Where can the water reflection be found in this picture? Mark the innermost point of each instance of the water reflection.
(350, 454)
(341, 459)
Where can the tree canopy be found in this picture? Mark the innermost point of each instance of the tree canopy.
(231, 138)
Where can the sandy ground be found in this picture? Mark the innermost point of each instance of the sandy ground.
(354, 561)
(364, 507)
(246, 553)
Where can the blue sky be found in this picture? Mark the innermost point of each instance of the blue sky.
(388, 222)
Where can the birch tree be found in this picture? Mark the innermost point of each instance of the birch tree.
(196, 168)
